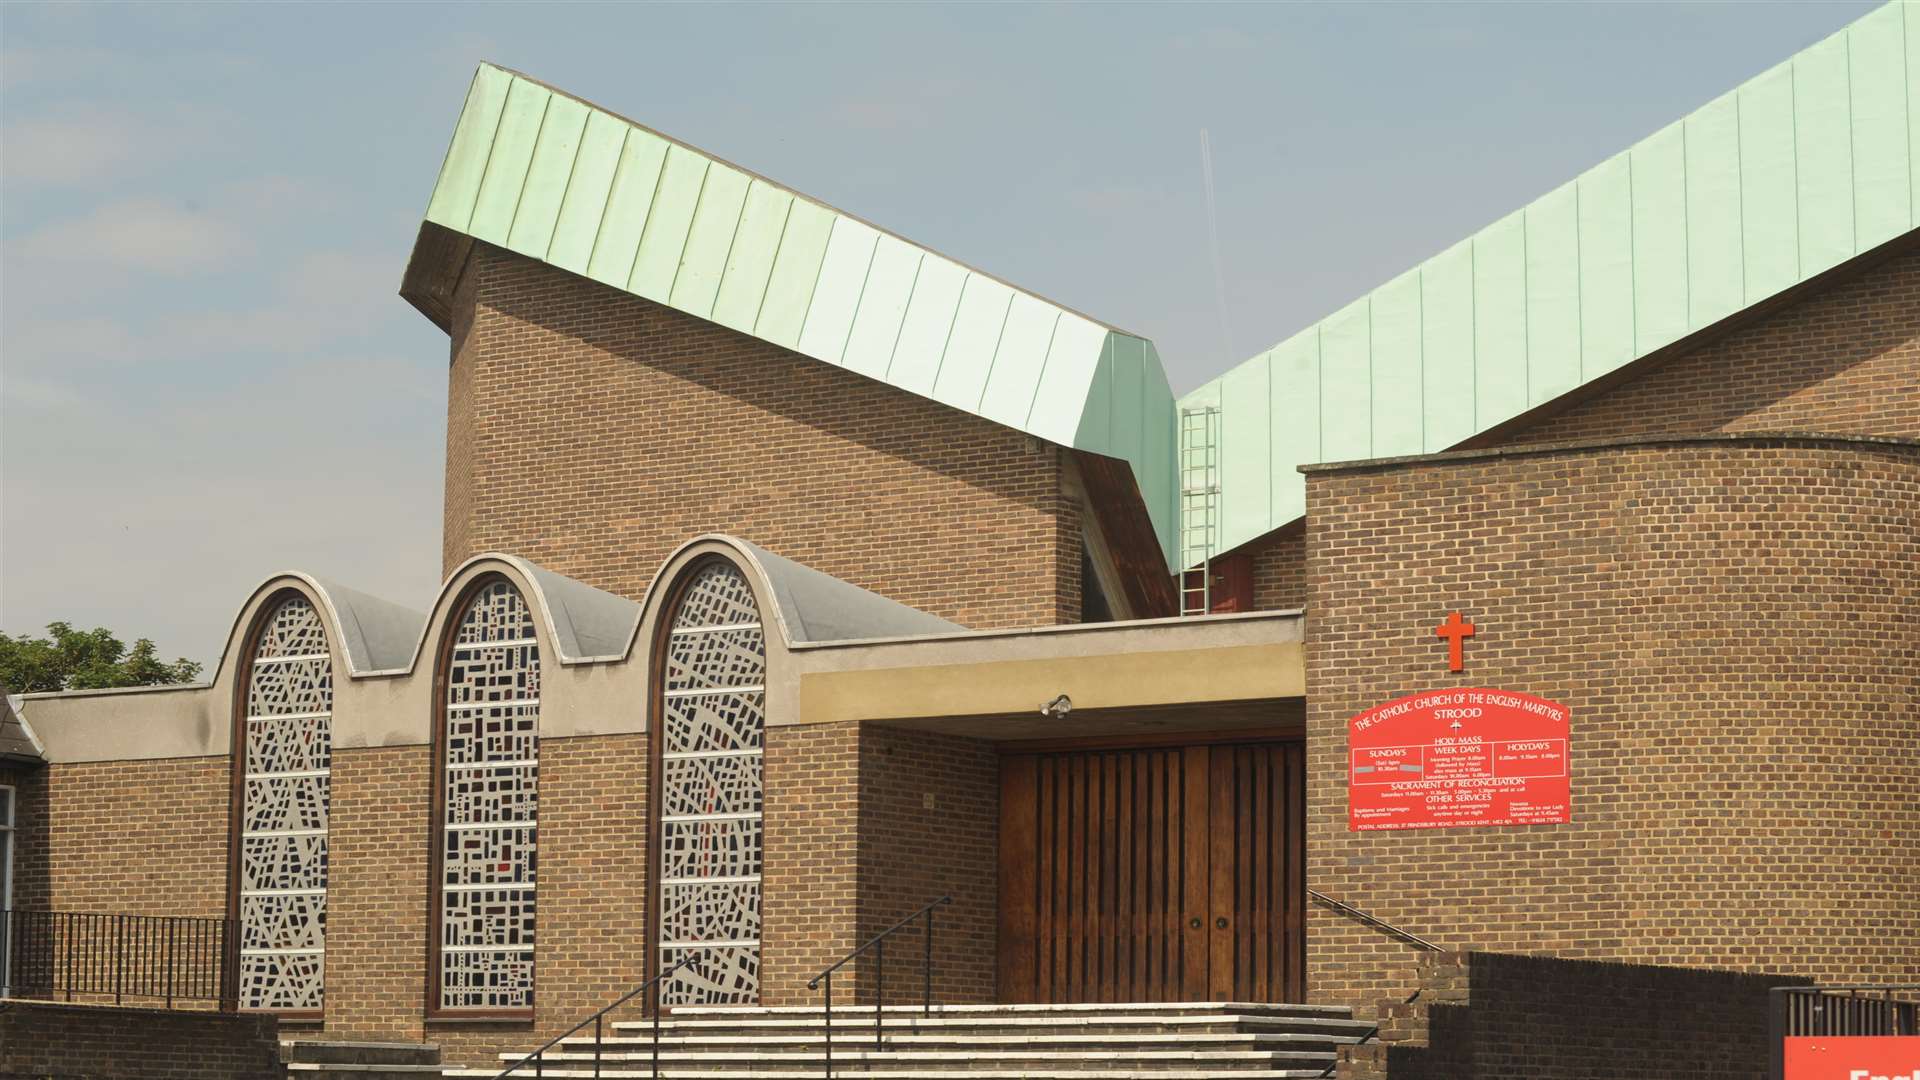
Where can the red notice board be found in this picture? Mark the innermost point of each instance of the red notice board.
(1445, 759)
(1853, 1057)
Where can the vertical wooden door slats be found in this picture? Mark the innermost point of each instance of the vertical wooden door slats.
(1156, 874)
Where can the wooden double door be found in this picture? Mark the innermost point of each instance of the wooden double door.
(1173, 873)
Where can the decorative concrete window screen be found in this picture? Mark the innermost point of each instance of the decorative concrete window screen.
(713, 706)
(491, 747)
(287, 739)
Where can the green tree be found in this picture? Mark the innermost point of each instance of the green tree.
(70, 659)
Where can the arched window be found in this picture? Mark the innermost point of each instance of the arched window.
(283, 754)
(487, 748)
(711, 718)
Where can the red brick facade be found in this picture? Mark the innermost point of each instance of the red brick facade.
(94, 1042)
(1732, 623)
(593, 432)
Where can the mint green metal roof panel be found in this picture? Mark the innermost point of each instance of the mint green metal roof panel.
(1446, 352)
(1126, 359)
(1823, 129)
(1660, 238)
(1293, 403)
(669, 220)
(1606, 268)
(1346, 383)
(1716, 273)
(1155, 470)
(636, 179)
(1769, 187)
(927, 326)
(1074, 355)
(977, 328)
(466, 162)
(1553, 295)
(1096, 422)
(1882, 185)
(1246, 456)
(756, 242)
(512, 153)
(883, 307)
(796, 267)
(546, 184)
(1399, 422)
(1910, 20)
(1018, 361)
(716, 218)
(1499, 322)
(578, 223)
(836, 292)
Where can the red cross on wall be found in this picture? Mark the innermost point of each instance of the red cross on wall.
(1456, 632)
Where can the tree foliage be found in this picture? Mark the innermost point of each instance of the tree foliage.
(69, 659)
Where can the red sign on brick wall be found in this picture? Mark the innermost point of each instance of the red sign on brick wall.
(1853, 1057)
(1458, 758)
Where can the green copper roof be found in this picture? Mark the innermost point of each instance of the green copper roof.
(553, 178)
(1791, 174)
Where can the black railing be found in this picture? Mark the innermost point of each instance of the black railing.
(147, 959)
(878, 943)
(598, 1020)
(1829, 1011)
(1386, 928)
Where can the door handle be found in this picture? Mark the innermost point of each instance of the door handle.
(1220, 923)
(1195, 924)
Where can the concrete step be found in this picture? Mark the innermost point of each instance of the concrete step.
(951, 1061)
(904, 1074)
(345, 1052)
(1244, 1040)
(311, 1070)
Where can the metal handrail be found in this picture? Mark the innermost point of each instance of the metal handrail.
(1391, 930)
(878, 943)
(538, 1058)
(145, 958)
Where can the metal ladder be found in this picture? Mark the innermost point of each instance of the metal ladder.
(1199, 506)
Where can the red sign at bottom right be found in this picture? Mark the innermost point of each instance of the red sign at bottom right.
(1854, 1057)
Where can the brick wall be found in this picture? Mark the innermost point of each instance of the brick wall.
(1279, 571)
(1733, 625)
(593, 432)
(808, 912)
(132, 837)
(929, 826)
(95, 1042)
(29, 834)
(853, 846)
(1492, 1016)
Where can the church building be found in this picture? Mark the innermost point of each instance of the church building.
(1558, 598)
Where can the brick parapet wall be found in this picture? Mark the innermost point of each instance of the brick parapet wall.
(1733, 625)
(593, 432)
(1490, 1015)
(95, 1042)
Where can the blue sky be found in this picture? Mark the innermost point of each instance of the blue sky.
(207, 375)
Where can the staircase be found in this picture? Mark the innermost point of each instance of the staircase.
(979, 1042)
(318, 1060)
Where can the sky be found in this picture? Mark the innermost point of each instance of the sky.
(207, 374)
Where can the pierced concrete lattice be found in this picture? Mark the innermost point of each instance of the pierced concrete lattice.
(491, 748)
(710, 830)
(287, 742)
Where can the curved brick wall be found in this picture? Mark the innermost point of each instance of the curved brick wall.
(1735, 625)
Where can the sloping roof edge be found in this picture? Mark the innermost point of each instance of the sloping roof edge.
(1791, 174)
(539, 172)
